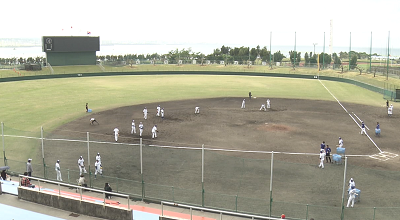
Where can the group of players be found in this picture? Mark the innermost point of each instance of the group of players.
(325, 153)
(97, 166)
(263, 107)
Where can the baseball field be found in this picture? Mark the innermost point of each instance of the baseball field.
(239, 142)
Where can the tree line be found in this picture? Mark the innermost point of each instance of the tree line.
(227, 54)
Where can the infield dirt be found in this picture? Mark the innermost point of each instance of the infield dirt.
(290, 126)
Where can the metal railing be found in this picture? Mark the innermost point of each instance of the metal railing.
(221, 212)
(77, 187)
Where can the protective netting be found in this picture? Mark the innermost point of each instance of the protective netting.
(233, 181)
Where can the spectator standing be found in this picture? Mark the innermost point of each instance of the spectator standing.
(29, 169)
(58, 170)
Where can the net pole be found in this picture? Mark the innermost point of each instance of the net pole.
(344, 186)
(270, 184)
(387, 65)
(350, 51)
(323, 57)
(295, 52)
(44, 164)
(202, 175)
(4, 147)
(370, 55)
(270, 49)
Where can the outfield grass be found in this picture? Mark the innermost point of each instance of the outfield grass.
(27, 105)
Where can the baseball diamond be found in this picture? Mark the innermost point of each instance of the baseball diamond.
(290, 126)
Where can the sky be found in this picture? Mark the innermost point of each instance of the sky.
(247, 23)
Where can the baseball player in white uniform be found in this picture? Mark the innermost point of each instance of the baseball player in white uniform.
(145, 113)
(263, 107)
(197, 110)
(93, 120)
(154, 131)
(98, 157)
(158, 111)
(141, 129)
(116, 134)
(351, 183)
(81, 165)
(244, 103)
(58, 170)
(98, 168)
(133, 131)
(390, 110)
(268, 103)
(340, 142)
(162, 113)
(352, 196)
(321, 158)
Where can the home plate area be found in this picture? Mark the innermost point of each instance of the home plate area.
(384, 156)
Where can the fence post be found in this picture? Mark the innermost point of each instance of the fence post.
(270, 184)
(141, 167)
(202, 175)
(117, 184)
(173, 194)
(4, 147)
(344, 186)
(68, 175)
(44, 164)
(307, 213)
(374, 213)
(236, 203)
(88, 152)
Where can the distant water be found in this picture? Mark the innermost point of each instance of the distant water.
(8, 52)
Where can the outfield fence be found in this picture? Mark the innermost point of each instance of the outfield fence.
(214, 178)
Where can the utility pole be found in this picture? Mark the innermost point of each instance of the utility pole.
(314, 46)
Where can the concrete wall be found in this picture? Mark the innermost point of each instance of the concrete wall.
(74, 205)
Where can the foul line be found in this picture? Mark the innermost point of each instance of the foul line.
(350, 115)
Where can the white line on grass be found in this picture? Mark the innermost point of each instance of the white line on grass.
(350, 115)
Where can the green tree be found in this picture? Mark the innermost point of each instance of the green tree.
(306, 58)
(336, 60)
(353, 61)
(324, 58)
(278, 56)
(295, 55)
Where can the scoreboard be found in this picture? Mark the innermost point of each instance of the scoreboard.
(70, 44)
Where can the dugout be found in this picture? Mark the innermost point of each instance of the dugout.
(70, 50)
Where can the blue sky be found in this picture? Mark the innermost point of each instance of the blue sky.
(212, 22)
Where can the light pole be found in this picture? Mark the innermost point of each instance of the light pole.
(314, 46)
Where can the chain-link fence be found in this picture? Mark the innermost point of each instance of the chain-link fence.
(218, 178)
